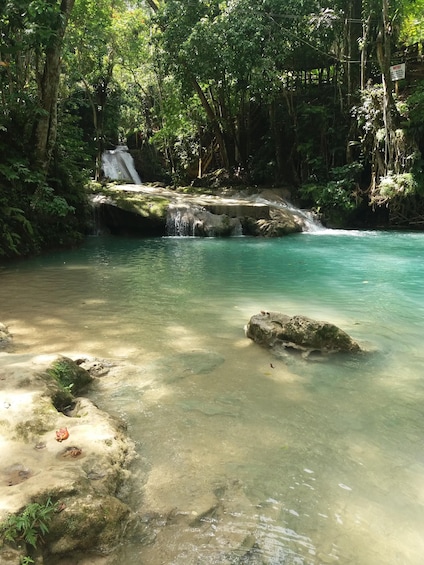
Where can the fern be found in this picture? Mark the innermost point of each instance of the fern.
(30, 526)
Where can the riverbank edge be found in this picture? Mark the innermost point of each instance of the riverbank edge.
(75, 458)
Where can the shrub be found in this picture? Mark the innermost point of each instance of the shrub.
(339, 195)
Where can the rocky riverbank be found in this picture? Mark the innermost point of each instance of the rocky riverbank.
(151, 210)
(62, 458)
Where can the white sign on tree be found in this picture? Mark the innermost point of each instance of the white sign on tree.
(397, 72)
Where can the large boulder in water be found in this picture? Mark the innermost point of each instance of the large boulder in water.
(271, 329)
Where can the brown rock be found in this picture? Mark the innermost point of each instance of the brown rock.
(271, 329)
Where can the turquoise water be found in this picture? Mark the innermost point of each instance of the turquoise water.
(244, 457)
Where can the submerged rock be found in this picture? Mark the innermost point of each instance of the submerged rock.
(273, 329)
(184, 365)
(5, 336)
(88, 522)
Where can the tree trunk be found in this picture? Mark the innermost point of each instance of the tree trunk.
(214, 122)
(365, 39)
(212, 116)
(48, 89)
(275, 127)
(353, 33)
(153, 5)
(389, 107)
(98, 132)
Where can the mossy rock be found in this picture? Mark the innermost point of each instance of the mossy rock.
(299, 333)
(90, 523)
(69, 375)
(142, 204)
(11, 556)
(65, 380)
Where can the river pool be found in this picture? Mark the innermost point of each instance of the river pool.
(245, 458)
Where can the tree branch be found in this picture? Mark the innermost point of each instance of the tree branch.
(153, 5)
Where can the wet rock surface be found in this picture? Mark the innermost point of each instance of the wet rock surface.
(299, 333)
(77, 457)
(152, 210)
(5, 337)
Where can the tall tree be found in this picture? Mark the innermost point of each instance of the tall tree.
(90, 60)
(231, 54)
(48, 78)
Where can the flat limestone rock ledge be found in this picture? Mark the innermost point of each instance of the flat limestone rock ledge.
(156, 211)
(83, 473)
(299, 333)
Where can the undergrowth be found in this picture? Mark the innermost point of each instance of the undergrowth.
(29, 527)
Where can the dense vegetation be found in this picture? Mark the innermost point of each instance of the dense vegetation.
(294, 93)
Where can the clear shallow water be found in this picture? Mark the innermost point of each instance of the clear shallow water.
(245, 458)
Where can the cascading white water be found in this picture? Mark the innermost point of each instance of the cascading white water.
(118, 164)
(182, 221)
(187, 220)
(307, 218)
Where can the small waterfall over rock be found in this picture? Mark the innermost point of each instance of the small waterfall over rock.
(182, 220)
(307, 218)
(158, 211)
(118, 164)
(190, 220)
(311, 223)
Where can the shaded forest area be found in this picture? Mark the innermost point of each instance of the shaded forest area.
(286, 93)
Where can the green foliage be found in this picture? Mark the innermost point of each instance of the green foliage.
(46, 202)
(32, 213)
(397, 185)
(339, 196)
(15, 226)
(415, 111)
(12, 222)
(177, 137)
(63, 374)
(201, 79)
(237, 53)
(30, 525)
(393, 153)
(33, 217)
(38, 207)
(412, 24)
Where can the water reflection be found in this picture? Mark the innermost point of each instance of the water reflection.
(244, 458)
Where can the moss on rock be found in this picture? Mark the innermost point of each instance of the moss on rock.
(65, 378)
(93, 523)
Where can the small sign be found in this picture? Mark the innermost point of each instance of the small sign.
(397, 72)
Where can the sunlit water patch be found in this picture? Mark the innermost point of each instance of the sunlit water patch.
(244, 457)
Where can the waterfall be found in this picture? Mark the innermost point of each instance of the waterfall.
(182, 220)
(224, 218)
(118, 164)
(307, 218)
(192, 220)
